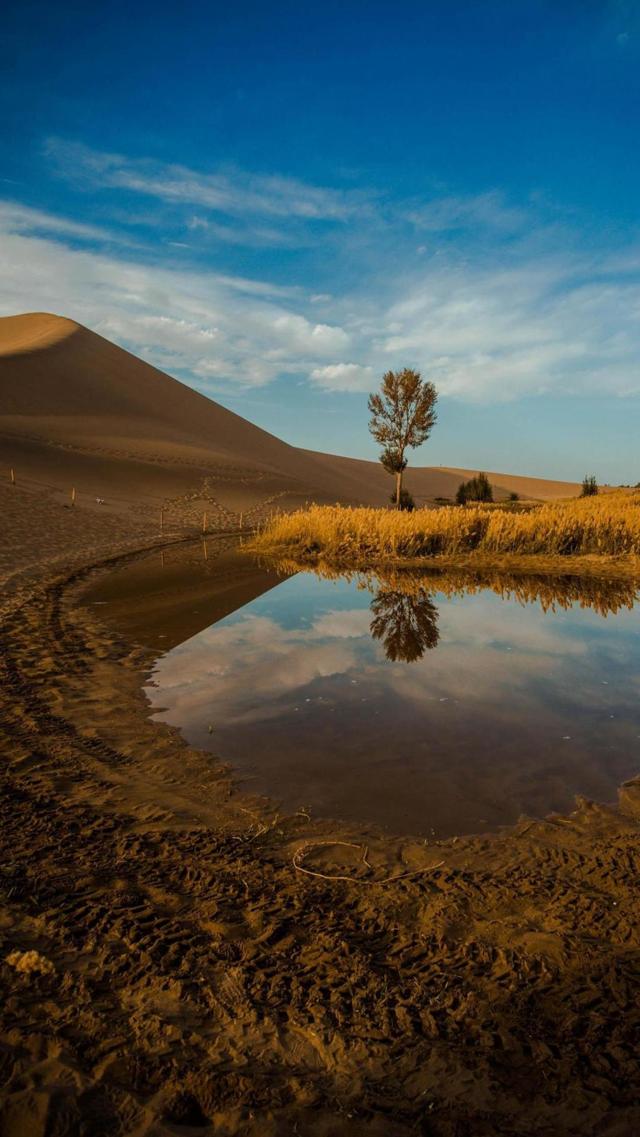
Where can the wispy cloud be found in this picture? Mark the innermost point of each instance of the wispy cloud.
(234, 193)
(18, 218)
(448, 214)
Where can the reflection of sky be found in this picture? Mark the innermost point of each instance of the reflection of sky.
(514, 711)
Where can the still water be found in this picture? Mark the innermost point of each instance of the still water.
(424, 709)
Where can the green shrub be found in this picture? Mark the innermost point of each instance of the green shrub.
(406, 500)
(476, 489)
(589, 486)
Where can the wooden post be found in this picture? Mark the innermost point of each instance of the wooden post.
(73, 496)
(204, 523)
(162, 520)
(13, 476)
(241, 523)
(204, 549)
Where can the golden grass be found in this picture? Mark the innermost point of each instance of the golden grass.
(602, 526)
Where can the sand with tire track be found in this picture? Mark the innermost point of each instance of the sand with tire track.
(166, 969)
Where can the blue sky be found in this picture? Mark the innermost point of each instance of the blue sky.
(278, 202)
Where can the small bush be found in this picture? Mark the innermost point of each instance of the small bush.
(589, 486)
(514, 497)
(476, 489)
(406, 500)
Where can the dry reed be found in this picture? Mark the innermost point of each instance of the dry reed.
(606, 525)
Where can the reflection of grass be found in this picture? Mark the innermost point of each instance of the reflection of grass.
(596, 527)
(603, 594)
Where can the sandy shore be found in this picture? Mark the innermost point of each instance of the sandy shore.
(167, 969)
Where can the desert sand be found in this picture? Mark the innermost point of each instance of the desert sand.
(166, 965)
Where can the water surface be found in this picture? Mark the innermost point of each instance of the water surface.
(425, 713)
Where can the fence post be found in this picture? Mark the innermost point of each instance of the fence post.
(13, 476)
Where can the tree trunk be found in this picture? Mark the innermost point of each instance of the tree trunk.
(398, 487)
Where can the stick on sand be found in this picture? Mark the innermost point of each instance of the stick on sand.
(302, 851)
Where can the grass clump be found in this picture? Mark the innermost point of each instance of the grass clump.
(604, 525)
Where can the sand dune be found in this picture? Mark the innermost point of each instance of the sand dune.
(78, 410)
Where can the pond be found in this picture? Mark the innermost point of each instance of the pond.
(422, 705)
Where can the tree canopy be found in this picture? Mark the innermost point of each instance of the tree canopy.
(402, 415)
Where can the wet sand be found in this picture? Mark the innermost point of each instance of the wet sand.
(168, 967)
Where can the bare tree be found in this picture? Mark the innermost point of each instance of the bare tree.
(402, 415)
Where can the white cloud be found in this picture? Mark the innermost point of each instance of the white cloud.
(342, 377)
(488, 319)
(493, 333)
(167, 334)
(319, 339)
(217, 328)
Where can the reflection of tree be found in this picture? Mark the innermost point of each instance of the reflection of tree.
(407, 625)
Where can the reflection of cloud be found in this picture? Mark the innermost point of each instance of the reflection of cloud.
(486, 677)
(251, 668)
(482, 622)
(514, 711)
(249, 663)
(342, 625)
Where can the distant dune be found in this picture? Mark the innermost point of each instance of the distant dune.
(75, 409)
